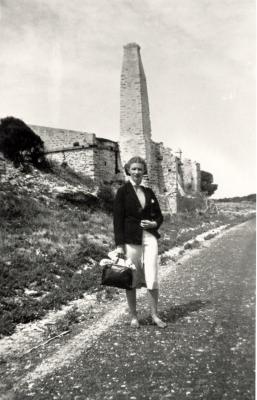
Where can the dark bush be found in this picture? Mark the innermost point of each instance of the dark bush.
(20, 144)
(207, 184)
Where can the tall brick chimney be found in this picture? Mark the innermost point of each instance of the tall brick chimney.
(135, 125)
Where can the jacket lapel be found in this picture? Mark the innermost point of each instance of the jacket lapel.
(133, 193)
(147, 196)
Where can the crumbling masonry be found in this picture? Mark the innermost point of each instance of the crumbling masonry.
(176, 182)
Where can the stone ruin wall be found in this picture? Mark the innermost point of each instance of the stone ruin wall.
(108, 165)
(80, 160)
(169, 168)
(169, 176)
(96, 158)
(56, 139)
(68, 147)
(100, 160)
(191, 176)
(164, 176)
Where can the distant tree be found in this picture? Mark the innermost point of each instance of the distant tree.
(20, 144)
(251, 197)
(206, 183)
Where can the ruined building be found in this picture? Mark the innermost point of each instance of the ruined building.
(175, 181)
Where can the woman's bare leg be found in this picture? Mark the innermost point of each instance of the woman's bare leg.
(153, 295)
(132, 303)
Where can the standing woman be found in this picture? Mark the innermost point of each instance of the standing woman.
(137, 217)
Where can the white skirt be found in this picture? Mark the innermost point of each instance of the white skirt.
(145, 258)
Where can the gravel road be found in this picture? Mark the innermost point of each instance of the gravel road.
(206, 352)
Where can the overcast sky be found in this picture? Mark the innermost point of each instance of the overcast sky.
(61, 61)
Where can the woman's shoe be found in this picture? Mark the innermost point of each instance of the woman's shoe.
(134, 323)
(157, 321)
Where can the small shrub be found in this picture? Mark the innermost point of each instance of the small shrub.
(79, 198)
(65, 323)
(73, 315)
(7, 324)
(195, 244)
(106, 197)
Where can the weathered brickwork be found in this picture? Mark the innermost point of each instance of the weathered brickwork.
(55, 138)
(166, 184)
(191, 176)
(108, 164)
(80, 160)
(135, 126)
(76, 149)
(94, 157)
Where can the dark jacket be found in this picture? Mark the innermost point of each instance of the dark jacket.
(128, 213)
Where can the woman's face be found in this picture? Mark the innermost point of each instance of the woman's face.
(136, 171)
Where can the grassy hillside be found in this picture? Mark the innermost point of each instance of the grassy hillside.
(52, 236)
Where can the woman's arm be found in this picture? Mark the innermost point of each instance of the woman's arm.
(156, 217)
(119, 218)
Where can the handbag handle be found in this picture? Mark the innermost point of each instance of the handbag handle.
(122, 256)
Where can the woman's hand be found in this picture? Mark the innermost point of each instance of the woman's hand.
(146, 224)
(120, 250)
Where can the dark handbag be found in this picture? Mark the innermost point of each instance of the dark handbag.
(117, 276)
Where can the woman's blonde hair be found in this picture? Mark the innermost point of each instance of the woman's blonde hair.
(133, 160)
